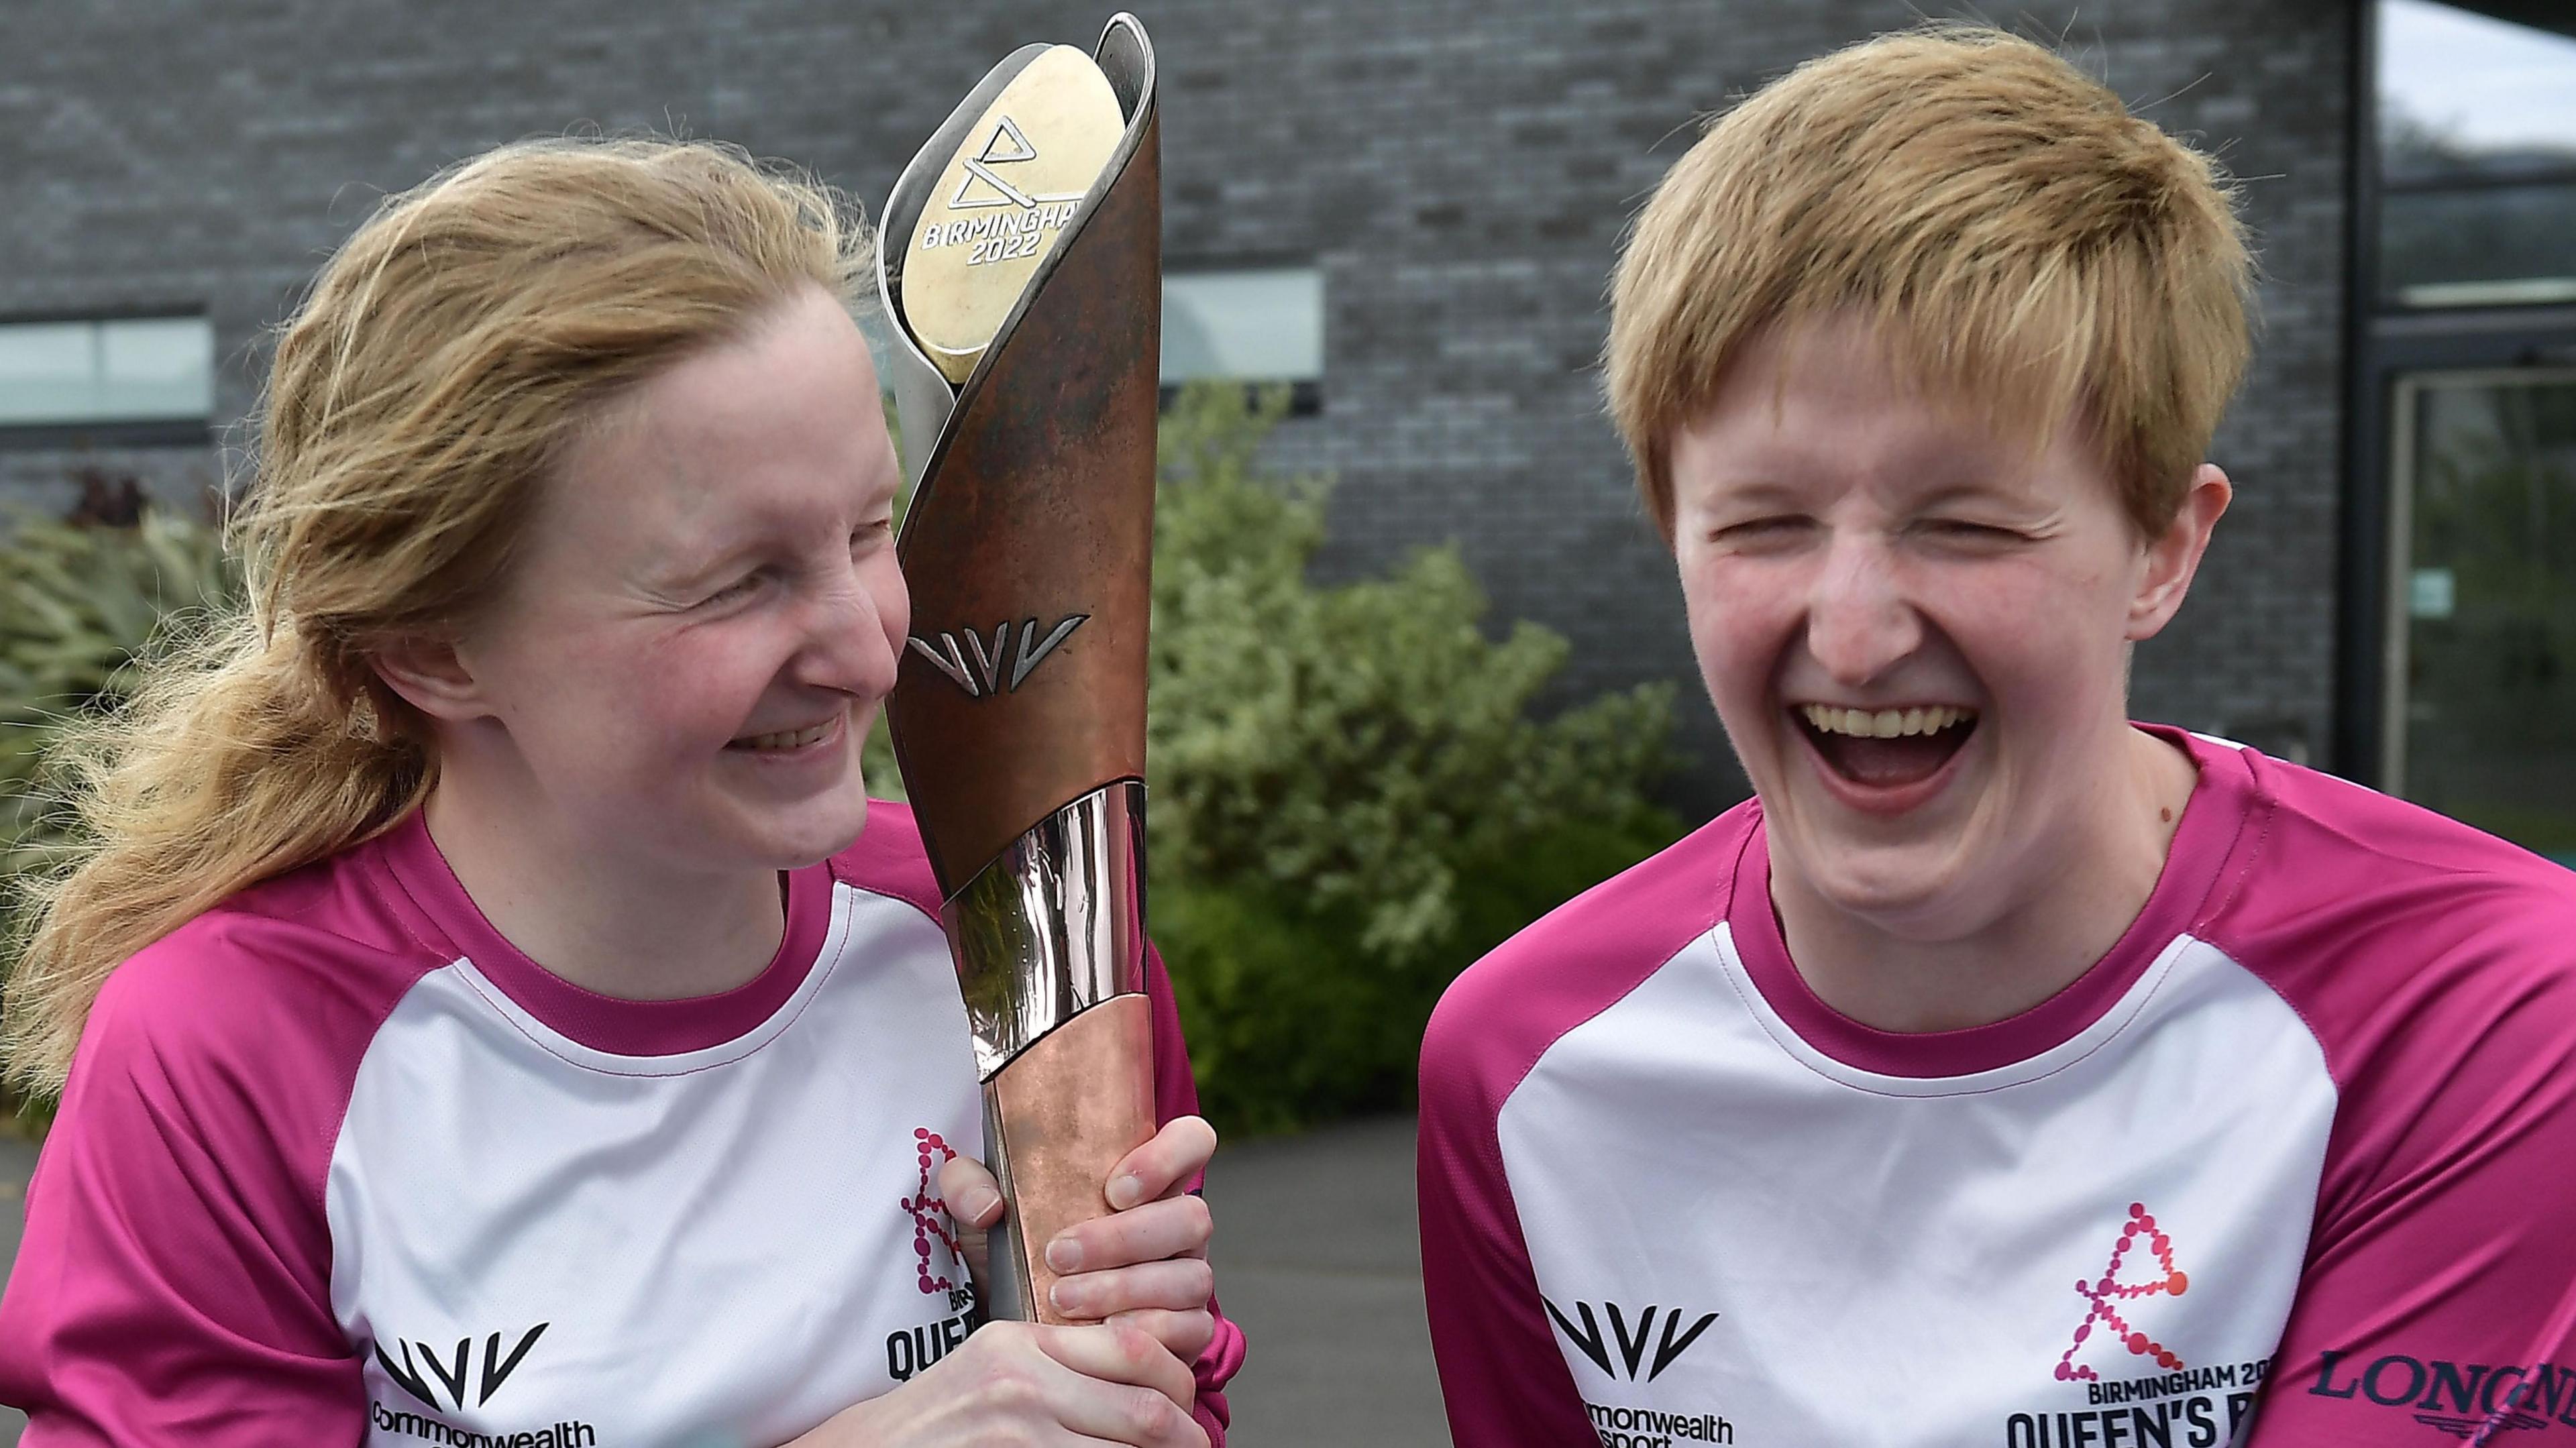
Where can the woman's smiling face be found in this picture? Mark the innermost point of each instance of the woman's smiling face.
(1915, 630)
(706, 609)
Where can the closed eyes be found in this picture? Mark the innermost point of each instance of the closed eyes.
(742, 587)
(1963, 530)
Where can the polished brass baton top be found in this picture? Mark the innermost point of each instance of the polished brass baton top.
(1002, 203)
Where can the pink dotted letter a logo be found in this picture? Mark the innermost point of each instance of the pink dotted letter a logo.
(2108, 1295)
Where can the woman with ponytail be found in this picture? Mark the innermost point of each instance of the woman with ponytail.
(485, 1005)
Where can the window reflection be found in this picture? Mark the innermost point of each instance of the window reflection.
(1264, 325)
(2486, 594)
(140, 369)
(2477, 142)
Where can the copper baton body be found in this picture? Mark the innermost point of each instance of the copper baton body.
(1019, 712)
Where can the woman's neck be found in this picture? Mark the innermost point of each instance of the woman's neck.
(2048, 933)
(609, 923)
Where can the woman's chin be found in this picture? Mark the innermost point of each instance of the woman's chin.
(1907, 883)
(811, 832)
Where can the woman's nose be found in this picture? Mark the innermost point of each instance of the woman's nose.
(1859, 623)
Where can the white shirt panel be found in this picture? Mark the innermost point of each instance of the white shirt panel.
(729, 1236)
(1905, 1261)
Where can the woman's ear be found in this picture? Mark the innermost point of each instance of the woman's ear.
(2174, 555)
(430, 675)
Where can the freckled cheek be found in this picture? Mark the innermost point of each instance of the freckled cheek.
(700, 691)
(1742, 619)
(2034, 642)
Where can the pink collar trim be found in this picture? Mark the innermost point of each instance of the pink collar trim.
(611, 1024)
(2192, 867)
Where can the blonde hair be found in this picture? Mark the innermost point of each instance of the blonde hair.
(2019, 241)
(446, 354)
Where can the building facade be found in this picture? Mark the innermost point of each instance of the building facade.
(1445, 181)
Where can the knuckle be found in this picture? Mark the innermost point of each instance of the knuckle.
(1014, 1393)
(1149, 1413)
(1135, 1345)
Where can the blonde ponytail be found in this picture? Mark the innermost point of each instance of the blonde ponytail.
(229, 765)
(447, 353)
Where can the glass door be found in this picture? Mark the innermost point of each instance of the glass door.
(2481, 713)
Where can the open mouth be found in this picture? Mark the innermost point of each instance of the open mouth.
(786, 740)
(1886, 748)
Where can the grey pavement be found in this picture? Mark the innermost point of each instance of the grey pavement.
(1315, 1256)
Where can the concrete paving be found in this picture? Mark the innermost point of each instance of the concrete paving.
(1315, 1255)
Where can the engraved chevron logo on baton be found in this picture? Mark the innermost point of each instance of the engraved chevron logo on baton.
(980, 668)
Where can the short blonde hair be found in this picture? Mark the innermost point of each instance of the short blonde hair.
(2019, 240)
(419, 397)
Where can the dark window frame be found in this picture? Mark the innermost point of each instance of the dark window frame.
(2380, 345)
(1305, 396)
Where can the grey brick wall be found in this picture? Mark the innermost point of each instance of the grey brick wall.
(1459, 171)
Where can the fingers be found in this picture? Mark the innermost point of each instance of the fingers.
(1137, 1416)
(1016, 1382)
(1151, 1409)
(973, 1198)
(1180, 1285)
(1177, 1227)
(1184, 1334)
(1177, 1153)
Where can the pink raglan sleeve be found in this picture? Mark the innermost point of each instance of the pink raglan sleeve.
(1501, 1374)
(2439, 1294)
(173, 1284)
(1176, 1093)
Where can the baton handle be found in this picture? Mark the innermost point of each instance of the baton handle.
(1057, 1120)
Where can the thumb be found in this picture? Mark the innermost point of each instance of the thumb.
(974, 1198)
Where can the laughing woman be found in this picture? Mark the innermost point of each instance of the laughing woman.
(493, 1010)
(2004, 1072)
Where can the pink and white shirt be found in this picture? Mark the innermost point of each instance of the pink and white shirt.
(2294, 1164)
(337, 1164)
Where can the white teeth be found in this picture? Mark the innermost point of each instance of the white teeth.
(791, 739)
(1884, 723)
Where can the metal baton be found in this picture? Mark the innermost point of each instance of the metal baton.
(1022, 262)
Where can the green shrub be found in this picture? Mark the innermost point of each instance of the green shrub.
(1349, 798)
(78, 603)
(1291, 1023)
